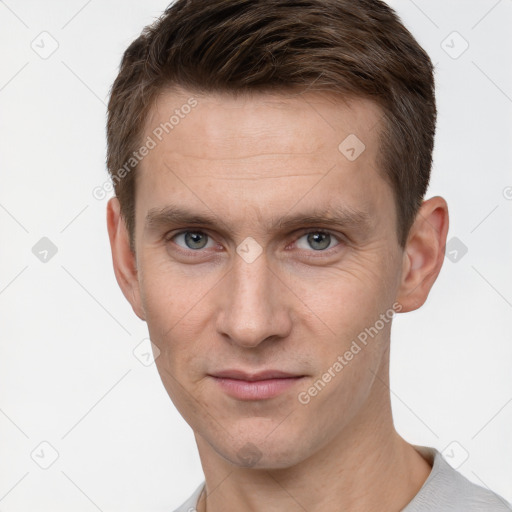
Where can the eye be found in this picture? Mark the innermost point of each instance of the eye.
(194, 240)
(317, 240)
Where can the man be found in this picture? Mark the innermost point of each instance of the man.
(270, 161)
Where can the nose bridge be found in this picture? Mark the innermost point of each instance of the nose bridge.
(252, 311)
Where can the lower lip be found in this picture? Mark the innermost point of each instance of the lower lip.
(256, 390)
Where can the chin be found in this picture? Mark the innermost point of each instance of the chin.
(275, 453)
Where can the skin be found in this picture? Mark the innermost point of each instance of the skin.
(297, 307)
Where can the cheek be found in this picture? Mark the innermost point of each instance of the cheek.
(346, 299)
(166, 308)
(168, 295)
(179, 313)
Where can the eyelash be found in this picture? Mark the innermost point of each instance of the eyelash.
(313, 254)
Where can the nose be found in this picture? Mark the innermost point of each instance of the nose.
(254, 304)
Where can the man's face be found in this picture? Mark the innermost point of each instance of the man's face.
(254, 290)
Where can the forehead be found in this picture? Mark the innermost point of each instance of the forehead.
(226, 125)
(263, 151)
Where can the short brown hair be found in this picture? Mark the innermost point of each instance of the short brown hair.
(351, 47)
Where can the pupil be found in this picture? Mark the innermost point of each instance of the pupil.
(313, 238)
(193, 240)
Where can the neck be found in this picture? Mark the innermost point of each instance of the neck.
(367, 468)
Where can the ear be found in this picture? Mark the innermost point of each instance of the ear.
(125, 264)
(423, 254)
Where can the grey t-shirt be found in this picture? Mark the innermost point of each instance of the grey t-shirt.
(445, 490)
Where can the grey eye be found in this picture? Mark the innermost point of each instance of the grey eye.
(193, 239)
(316, 240)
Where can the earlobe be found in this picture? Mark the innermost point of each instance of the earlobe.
(424, 253)
(123, 259)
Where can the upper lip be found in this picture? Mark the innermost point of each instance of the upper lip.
(263, 375)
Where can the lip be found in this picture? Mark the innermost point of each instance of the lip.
(251, 377)
(256, 386)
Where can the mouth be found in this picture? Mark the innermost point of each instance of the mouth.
(257, 386)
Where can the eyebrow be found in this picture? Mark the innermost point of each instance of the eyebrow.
(337, 215)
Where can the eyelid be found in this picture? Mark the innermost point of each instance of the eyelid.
(307, 231)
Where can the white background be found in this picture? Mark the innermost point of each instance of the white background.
(68, 375)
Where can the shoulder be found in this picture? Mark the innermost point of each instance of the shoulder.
(448, 490)
(190, 504)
